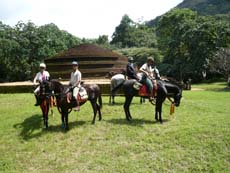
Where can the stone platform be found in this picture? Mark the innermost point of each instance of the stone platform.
(27, 86)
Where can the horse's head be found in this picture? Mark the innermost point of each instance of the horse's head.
(177, 98)
(174, 89)
(45, 87)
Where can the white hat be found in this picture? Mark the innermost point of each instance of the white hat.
(42, 65)
(74, 63)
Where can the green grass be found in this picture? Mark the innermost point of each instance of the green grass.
(195, 139)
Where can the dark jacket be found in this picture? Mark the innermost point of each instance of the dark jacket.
(130, 71)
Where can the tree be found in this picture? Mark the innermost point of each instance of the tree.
(189, 42)
(25, 45)
(221, 63)
(123, 32)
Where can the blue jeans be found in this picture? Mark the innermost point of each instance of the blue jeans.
(148, 83)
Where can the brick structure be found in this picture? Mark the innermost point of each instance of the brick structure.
(94, 62)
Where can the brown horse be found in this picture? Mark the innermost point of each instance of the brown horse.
(47, 102)
(65, 107)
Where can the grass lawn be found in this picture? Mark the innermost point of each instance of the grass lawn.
(195, 139)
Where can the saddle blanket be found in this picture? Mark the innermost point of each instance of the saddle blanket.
(82, 95)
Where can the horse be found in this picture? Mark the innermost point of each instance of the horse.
(65, 107)
(165, 89)
(116, 82)
(46, 102)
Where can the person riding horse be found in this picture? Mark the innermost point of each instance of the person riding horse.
(130, 70)
(75, 83)
(41, 76)
(148, 77)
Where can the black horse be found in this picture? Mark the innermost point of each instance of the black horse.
(65, 107)
(165, 89)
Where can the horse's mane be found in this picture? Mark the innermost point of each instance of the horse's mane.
(57, 83)
(173, 81)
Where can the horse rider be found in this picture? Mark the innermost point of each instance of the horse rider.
(41, 76)
(75, 82)
(148, 77)
(130, 70)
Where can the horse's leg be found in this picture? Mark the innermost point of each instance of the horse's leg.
(128, 100)
(94, 106)
(62, 119)
(46, 114)
(66, 120)
(156, 113)
(43, 107)
(113, 99)
(99, 112)
(110, 95)
(160, 111)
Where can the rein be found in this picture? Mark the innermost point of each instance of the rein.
(172, 102)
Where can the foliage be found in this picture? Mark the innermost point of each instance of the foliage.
(190, 41)
(131, 34)
(195, 140)
(140, 54)
(25, 45)
(221, 63)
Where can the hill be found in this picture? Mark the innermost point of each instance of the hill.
(207, 7)
(221, 8)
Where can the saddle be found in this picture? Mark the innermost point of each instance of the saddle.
(82, 95)
(142, 89)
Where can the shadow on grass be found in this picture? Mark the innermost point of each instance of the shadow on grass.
(33, 127)
(120, 104)
(134, 122)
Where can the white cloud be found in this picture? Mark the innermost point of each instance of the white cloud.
(83, 18)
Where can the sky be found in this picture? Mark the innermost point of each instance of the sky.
(82, 18)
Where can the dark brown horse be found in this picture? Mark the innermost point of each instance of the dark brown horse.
(46, 102)
(65, 107)
(165, 89)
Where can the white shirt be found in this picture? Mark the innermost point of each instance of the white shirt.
(75, 77)
(147, 68)
(41, 76)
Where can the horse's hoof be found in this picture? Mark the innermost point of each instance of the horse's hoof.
(67, 128)
(128, 119)
(62, 126)
(93, 122)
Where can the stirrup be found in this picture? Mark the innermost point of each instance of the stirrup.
(77, 108)
(152, 100)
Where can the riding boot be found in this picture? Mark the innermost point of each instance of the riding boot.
(38, 102)
(152, 95)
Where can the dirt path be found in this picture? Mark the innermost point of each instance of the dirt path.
(197, 89)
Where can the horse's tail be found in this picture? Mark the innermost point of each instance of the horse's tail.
(100, 101)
